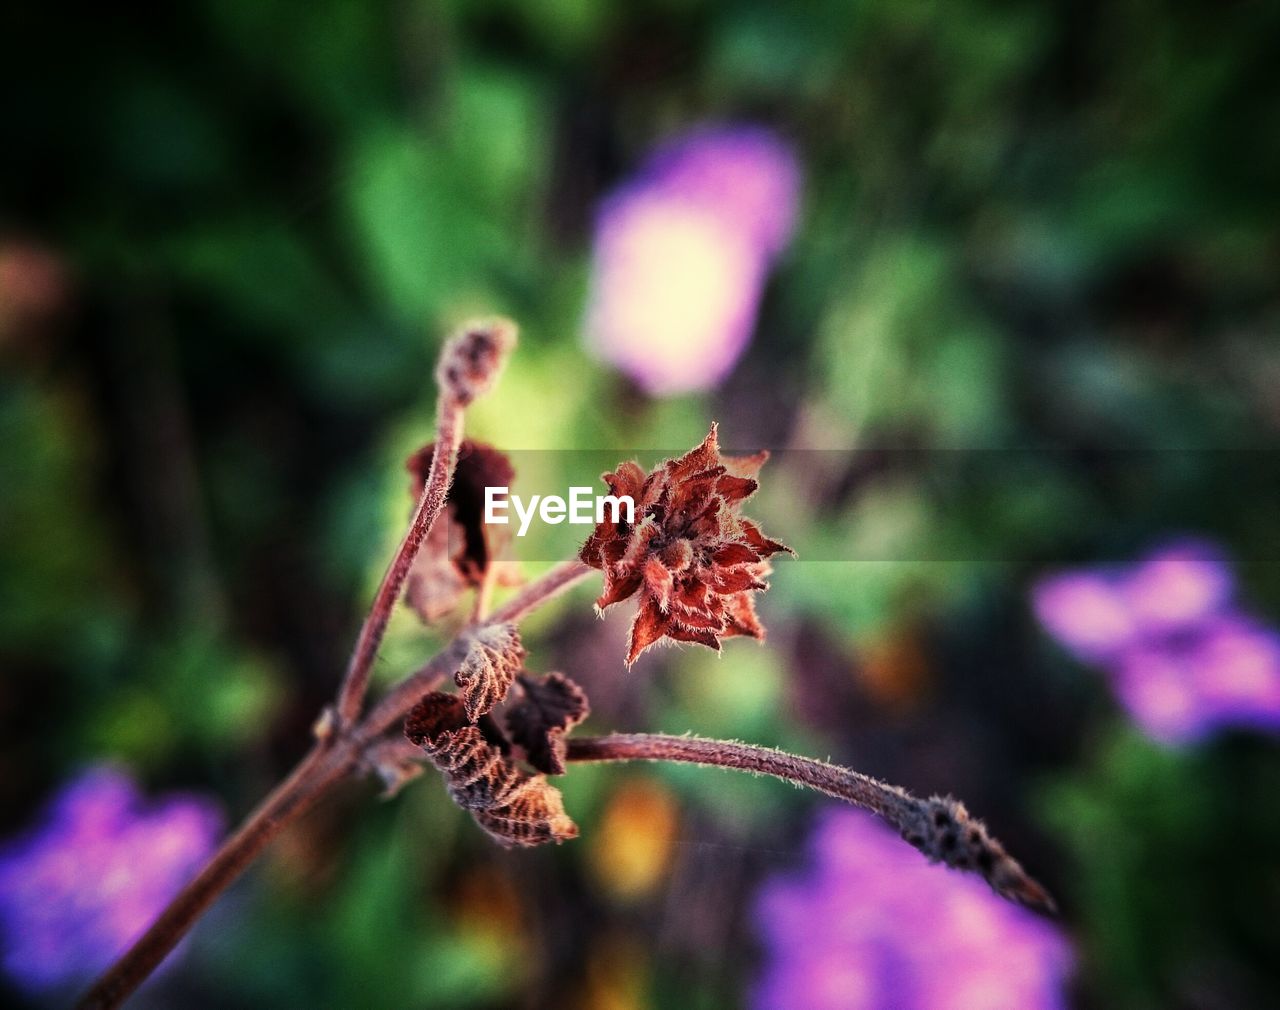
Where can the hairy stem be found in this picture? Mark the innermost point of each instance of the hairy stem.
(314, 775)
(341, 751)
(940, 827)
(443, 462)
(542, 589)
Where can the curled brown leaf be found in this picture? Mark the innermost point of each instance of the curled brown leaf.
(514, 807)
(548, 708)
(494, 656)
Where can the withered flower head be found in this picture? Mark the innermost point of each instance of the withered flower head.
(549, 707)
(692, 558)
(460, 546)
(514, 807)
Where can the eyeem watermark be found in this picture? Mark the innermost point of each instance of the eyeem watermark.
(582, 509)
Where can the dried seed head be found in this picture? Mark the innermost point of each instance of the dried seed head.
(946, 832)
(549, 707)
(693, 560)
(514, 807)
(473, 357)
(494, 656)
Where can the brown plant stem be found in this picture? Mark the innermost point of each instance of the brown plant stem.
(443, 463)
(940, 827)
(312, 777)
(542, 589)
(484, 593)
(339, 752)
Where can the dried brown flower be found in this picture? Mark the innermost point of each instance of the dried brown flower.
(548, 708)
(472, 358)
(692, 558)
(461, 546)
(516, 808)
(494, 656)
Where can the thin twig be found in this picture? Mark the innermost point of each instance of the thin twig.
(469, 364)
(484, 593)
(538, 592)
(356, 681)
(940, 827)
(312, 777)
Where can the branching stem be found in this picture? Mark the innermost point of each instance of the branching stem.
(340, 752)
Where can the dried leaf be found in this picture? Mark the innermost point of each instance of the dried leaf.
(549, 707)
(435, 584)
(493, 659)
(460, 547)
(514, 807)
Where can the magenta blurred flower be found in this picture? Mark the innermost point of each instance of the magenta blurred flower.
(868, 924)
(682, 252)
(79, 887)
(1181, 657)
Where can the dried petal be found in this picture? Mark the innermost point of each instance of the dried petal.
(690, 556)
(733, 488)
(745, 466)
(395, 764)
(648, 627)
(742, 617)
(659, 580)
(461, 546)
(764, 546)
(472, 359)
(734, 554)
(492, 662)
(435, 583)
(550, 706)
(515, 808)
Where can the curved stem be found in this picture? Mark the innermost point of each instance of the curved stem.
(443, 463)
(314, 775)
(940, 827)
(842, 783)
(542, 589)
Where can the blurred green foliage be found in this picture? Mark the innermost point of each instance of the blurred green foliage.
(1045, 230)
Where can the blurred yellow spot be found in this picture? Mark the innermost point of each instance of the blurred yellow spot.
(893, 667)
(632, 845)
(486, 906)
(616, 977)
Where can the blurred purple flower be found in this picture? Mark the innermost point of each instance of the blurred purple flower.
(79, 887)
(1182, 658)
(682, 252)
(869, 924)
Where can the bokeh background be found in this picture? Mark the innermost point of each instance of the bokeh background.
(1024, 322)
